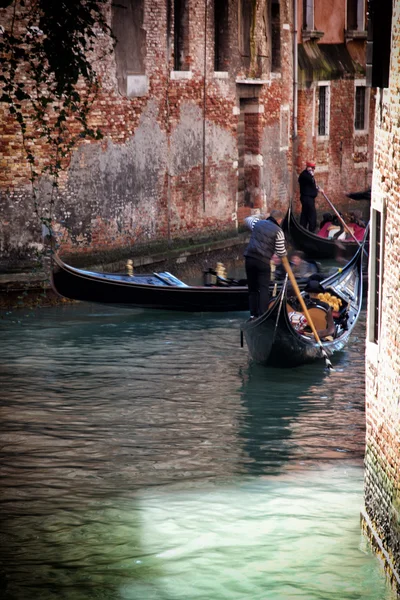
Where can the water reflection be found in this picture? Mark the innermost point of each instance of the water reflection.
(144, 457)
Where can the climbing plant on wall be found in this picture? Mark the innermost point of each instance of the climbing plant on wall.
(48, 82)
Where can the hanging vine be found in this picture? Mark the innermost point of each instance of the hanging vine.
(48, 83)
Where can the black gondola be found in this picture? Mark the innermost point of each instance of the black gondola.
(273, 339)
(315, 246)
(158, 290)
(364, 195)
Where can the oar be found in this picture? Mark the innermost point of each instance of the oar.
(300, 298)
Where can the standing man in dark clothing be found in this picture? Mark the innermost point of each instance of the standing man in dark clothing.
(267, 238)
(308, 193)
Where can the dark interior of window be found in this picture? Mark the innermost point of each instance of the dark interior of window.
(181, 35)
(275, 35)
(246, 21)
(378, 43)
(322, 110)
(221, 35)
(377, 282)
(359, 114)
(352, 22)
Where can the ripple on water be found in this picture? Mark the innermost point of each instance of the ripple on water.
(144, 456)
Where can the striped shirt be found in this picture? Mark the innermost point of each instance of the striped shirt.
(280, 248)
(251, 221)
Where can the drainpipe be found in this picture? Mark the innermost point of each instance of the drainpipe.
(295, 93)
(295, 70)
(168, 125)
(204, 106)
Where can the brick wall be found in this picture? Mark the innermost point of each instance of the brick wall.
(382, 482)
(167, 166)
(344, 157)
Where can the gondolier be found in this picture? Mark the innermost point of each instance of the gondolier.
(308, 192)
(277, 339)
(267, 238)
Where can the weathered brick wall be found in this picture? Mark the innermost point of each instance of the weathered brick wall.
(344, 158)
(149, 177)
(382, 482)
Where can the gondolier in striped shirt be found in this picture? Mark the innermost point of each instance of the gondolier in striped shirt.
(267, 238)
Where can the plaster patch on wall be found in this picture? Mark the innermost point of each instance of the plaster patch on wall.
(119, 182)
(275, 162)
(187, 141)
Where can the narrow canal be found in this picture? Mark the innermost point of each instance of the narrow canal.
(144, 458)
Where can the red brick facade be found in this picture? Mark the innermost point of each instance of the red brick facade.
(332, 56)
(169, 164)
(189, 150)
(382, 482)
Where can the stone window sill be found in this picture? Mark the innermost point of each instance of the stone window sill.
(181, 75)
(311, 34)
(353, 34)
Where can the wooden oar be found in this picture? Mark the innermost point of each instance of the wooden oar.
(300, 298)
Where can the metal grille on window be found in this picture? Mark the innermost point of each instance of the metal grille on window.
(322, 111)
(377, 283)
(359, 116)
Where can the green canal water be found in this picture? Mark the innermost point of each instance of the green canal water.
(144, 457)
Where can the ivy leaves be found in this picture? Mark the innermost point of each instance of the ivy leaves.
(47, 79)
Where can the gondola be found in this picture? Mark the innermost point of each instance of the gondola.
(364, 195)
(275, 337)
(157, 290)
(313, 245)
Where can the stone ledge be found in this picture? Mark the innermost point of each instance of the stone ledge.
(14, 286)
(379, 549)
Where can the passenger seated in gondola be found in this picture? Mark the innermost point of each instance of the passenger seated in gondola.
(301, 268)
(319, 311)
(334, 229)
(326, 223)
(356, 226)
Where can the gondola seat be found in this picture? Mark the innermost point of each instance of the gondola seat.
(322, 319)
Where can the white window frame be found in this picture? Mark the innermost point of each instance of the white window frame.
(326, 84)
(361, 83)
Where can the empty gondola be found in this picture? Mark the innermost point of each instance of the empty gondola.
(155, 291)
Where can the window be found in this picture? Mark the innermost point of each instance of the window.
(377, 277)
(360, 116)
(130, 50)
(323, 110)
(308, 15)
(221, 37)
(376, 274)
(379, 44)
(355, 15)
(246, 16)
(275, 35)
(181, 35)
